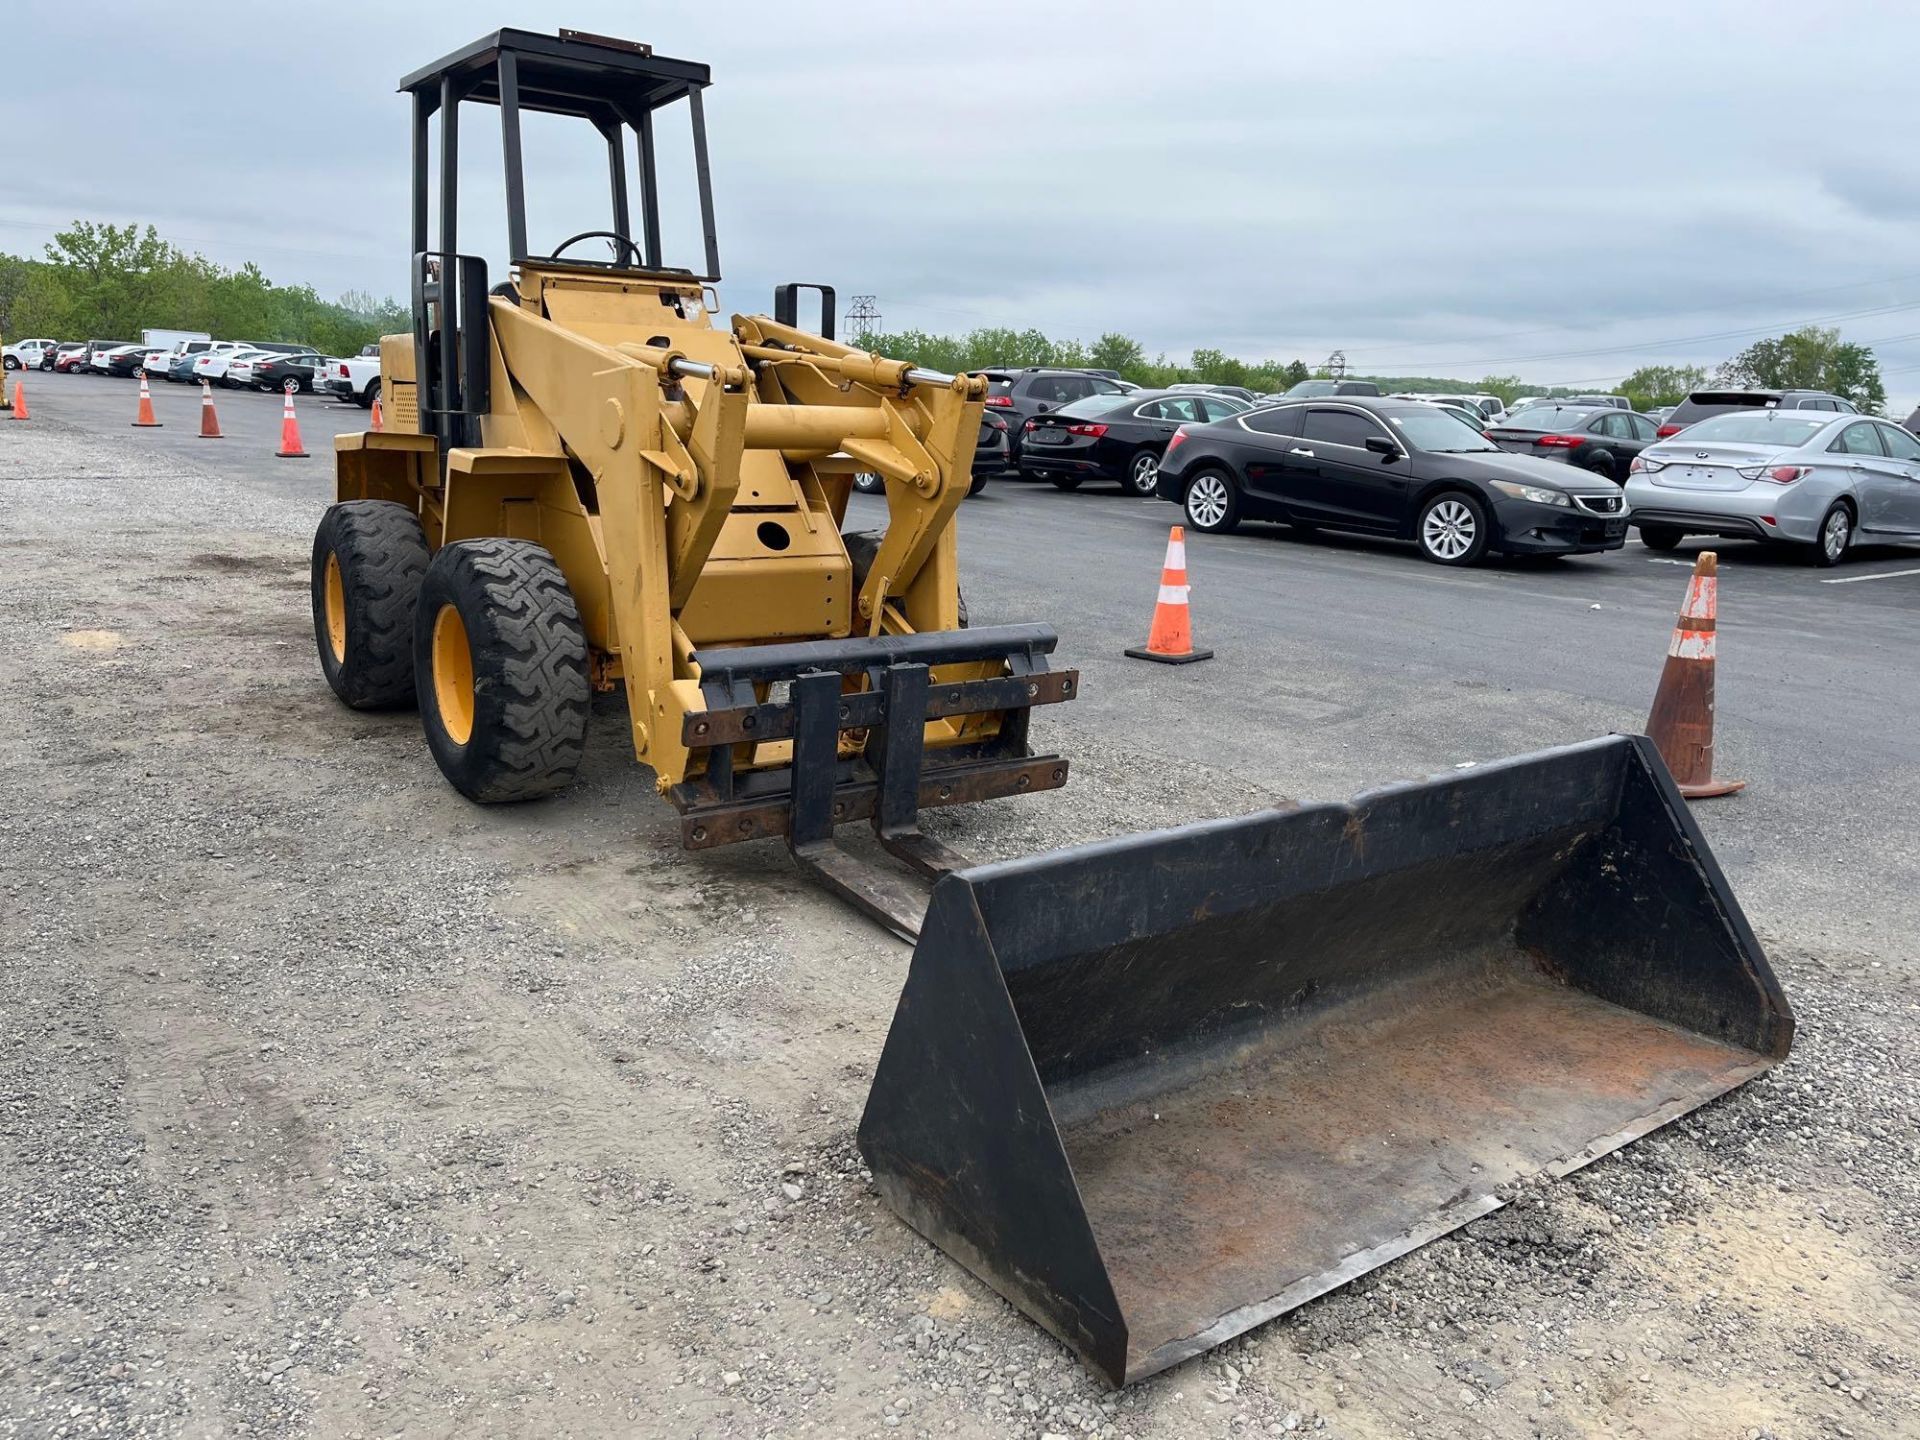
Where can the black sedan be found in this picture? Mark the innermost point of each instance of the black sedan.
(292, 373)
(1603, 440)
(1114, 437)
(1388, 467)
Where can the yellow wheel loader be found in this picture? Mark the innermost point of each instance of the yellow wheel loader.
(1155, 1090)
(584, 483)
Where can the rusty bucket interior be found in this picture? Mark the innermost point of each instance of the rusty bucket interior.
(1161, 1089)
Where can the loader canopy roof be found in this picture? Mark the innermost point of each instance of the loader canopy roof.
(590, 76)
(616, 86)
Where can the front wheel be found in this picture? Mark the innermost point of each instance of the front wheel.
(1836, 534)
(368, 560)
(868, 483)
(1661, 537)
(1143, 475)
(11, 362)
(1212, 503)
(1452, 529)
(290, 385)
(500, 663)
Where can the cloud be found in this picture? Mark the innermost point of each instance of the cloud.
(1455, 186)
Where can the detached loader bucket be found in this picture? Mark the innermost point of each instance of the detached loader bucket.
(1158, 1090)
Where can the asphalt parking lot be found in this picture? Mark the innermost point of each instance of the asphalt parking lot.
(346, 1108)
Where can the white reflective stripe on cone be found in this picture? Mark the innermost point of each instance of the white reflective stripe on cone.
(1702, 598)
(1691, 645)
(1176, 555)
(1174, 594)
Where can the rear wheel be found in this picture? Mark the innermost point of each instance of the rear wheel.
(500, 662)
(1212, 502)
(1660, 537)
(1064, 482)
(1143, 475)
(368, 560)
(868, 483)
(1452, 529)
(1835, 535)
(978, 483)
(370, 394)
(863, 546)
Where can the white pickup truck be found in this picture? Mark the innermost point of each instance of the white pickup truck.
(356, 379)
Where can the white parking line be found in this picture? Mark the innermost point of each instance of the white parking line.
(1883, 575)
(1664, 560)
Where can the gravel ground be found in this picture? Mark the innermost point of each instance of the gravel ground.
(332, 1105)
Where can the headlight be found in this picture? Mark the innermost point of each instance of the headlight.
(1531, 492)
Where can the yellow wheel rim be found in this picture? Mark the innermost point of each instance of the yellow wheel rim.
(453, 675)
(336, 611)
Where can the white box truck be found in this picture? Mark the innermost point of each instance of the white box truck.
(171, 340)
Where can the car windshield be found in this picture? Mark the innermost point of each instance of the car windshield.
(1089, 405)
(1432, 429)
(1758, 427)
(1550, 417)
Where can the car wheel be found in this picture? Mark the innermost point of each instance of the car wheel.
(372, 393)
(1212, 502)
(1452, 529)
(1064, 482)
(1602, 465)
(1835, 535)
(1660, 537)
(868, 483)
(1143, 475)
(978, 484)
(291, 385)
(10, 363)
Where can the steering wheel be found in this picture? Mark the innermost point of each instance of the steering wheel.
(620, 243)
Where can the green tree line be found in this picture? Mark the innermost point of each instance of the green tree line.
(99, 282)
(1809, 358)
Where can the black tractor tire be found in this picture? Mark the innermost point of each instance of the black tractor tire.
(862, 547)
(1472, 533)
(501, 661)
(369, 557)
(1660, 537)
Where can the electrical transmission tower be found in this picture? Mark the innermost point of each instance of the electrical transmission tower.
(1337, 364)
(863, 315)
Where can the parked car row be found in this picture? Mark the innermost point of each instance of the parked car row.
(237, 364)
(1549, 484)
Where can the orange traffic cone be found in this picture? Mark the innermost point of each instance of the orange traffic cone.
(144, 420)
(1681, 724)
(290, 446)
(209, 419)
(379, 420)
(19, 400)
(1170, 641)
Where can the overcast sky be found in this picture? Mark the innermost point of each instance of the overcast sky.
(1559, 192)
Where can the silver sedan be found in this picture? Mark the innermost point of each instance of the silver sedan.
(1798, 476)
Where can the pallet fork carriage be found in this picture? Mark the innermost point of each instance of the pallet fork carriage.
(639, 498)
(1154, 1090)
